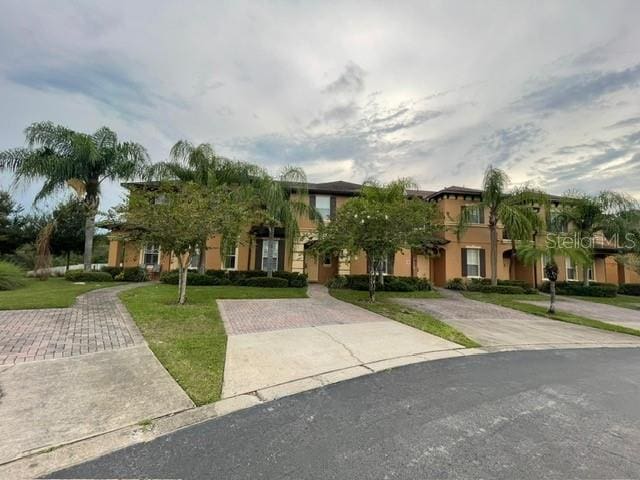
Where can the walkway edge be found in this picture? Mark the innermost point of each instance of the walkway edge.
(53, 458)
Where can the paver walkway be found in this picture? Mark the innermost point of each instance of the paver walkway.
(273, 342)
(493, 325)
(597, 311)
(96, 322)
(71, 373)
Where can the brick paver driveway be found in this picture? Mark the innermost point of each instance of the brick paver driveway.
(493, 325)
(273, 342)
(71, 373)
(607, 313)
(96, 322)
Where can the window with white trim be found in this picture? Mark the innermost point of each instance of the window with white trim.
(544, 259)
(151, 255)
(572, 271)
(323, 206)
(387, 265)
(473, 262)
(265, 255)
(195, 259)
(231, 259)
(473, 214)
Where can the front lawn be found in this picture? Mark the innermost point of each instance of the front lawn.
(51, 293)
(385, 306)
(516, 302)
(189, 340)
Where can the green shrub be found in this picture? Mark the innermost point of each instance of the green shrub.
(629, 289)
(217, 273)
(507, 289)
(294, 279)
(11, 276)
(113, 271)
(510, 283)
(194, 279)
(81, 276)
(339, 281)
(170, 278)
(595, 289)
(391, 283)
(395, 285)
(456, 284)
(273, 282)
(134, 274)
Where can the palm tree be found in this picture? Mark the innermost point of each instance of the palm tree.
(515, 210)
(607, 213)
(555, 245)
(65, 158)
(279, 209)
(201, 165)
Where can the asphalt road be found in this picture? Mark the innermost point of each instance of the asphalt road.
(527, 415)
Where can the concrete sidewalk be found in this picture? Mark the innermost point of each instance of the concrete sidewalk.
(496, 326)
(74, 373)
(317, 340)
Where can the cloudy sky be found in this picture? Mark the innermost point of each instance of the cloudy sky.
(434, 90)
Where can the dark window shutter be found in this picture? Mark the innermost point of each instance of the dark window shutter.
(312, 204)
(464, 262)
(390, 261)
(481, 214)
(483, 264)
(258, 265)
(281, 244)
(332, 207)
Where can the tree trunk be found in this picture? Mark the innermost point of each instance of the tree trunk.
(585, 275)
(494, 249)
(89, 231)
(512, 265)
(182, 283)
(270, 252)
(202, 260)
(552, 297)
(66, 269)
(380, 274)
(372, 282)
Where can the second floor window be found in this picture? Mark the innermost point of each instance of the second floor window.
(473, 213)
(323, 205)
(151, 255)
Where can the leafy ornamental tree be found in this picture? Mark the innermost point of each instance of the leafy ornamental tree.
(280, 203)
(608, 214)
(176, 217)
(201, 165)
(555, 245)
(514, 209)
(62, 157)
(67, 236)
(379, 222)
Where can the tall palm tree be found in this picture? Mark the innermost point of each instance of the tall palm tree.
(556, 244)
(200, 164)
(280, 209)
(607, 213)
(66, 158)
(513, 209)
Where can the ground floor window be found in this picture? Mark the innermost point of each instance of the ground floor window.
(572, 272)
(151, 255)
(544, 260)
(274, 254)
(473, 262)
(326, 261)
(591, 275)
(231, 259)
(195, 259)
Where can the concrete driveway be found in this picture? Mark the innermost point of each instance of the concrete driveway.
(71, 373)
(496, 326)
(314, 340)
(624, 317)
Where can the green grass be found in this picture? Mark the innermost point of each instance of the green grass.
(516, 302)
(624, 301)
(52, 293)
(189, 340)
(414, 318)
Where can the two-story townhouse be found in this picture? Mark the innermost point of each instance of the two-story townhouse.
(466, 257)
